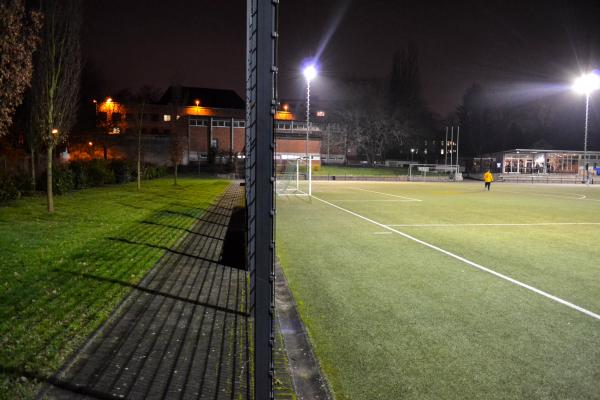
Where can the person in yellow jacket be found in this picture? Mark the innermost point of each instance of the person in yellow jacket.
(488, 178)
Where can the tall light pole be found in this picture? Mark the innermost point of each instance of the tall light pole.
(586, 84)
(310, 73)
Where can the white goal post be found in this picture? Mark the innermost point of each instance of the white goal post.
(294, 177)
(434, 172)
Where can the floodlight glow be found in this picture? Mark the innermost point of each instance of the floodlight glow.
(310, 72)
(587, 83)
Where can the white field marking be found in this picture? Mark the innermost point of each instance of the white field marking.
(471, 263)
(567, 196)
(380, 200)
(387, 194)
(515, 224)
(292, 194)
(382, 233)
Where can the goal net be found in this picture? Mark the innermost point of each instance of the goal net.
(434, 172)
(294, 177)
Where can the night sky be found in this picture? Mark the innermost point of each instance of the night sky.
(524, 49)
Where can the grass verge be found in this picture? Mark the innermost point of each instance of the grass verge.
(58, 271)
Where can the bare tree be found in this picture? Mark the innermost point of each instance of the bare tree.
(144, 96)
(176, 153)
(367, 122)
(19, 37)
(56, 78)
(177, 102)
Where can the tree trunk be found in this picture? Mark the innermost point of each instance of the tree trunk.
(49, 181)
(32, 169)
(175, 182)
(139, 161)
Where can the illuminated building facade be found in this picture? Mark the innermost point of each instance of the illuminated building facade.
(208, 124)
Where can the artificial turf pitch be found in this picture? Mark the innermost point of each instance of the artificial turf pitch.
(387, 281)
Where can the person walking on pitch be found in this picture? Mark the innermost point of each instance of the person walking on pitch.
(488, 178)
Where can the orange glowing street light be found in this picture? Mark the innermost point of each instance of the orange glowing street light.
(197, 102)
(90, 144)
(285, 107)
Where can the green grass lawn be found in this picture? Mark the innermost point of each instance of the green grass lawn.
(391, 318)
(62, 274)
(328, 170)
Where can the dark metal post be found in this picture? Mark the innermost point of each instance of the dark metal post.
(261, 101)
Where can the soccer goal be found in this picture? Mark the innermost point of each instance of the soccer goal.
(294, 177)
(434, 172)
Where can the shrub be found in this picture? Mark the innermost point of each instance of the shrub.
(62, 179)
(79, 170)
(154, 171)
(23, 183)
(121, 170)
(8, 188)
(99, 173)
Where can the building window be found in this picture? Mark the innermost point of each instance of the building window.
(239, 124)
(115, 131)
(320, 113)
(214, 144)
(198, 122)
(167, 118)
(221, 123)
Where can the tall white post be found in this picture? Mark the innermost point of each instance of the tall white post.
(310, 175)
(297, 174)
(307, 114)
(457, 143)
(446, 148)
(585, 157)
(451, 144)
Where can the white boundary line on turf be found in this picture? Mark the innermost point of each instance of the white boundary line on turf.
(380, 200)
(558, 196)
(515, 224)
(471, 263)
(387, 194)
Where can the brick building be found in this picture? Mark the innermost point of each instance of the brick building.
(204, 125)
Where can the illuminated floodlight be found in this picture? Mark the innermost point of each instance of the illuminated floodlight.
(587, 83)
(310, 72)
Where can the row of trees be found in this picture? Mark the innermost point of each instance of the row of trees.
(385, 118)
(491, 124)
(41, 49)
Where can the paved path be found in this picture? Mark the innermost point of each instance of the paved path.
(182, 333)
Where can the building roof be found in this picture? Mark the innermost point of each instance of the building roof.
(213, 98)
(548, 151)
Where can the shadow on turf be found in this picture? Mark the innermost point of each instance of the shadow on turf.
(177, 228)
(57, 383)
(165, 248)
(151, 291)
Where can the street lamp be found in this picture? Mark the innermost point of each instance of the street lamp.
(586, 84)
(310, 73)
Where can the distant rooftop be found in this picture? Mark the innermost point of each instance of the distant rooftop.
(214, 98)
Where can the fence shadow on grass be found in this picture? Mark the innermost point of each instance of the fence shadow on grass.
(181, 332)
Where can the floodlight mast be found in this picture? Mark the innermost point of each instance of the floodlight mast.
(586, 84)
(310, 73)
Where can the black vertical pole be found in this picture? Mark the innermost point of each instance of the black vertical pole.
(261, 100)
